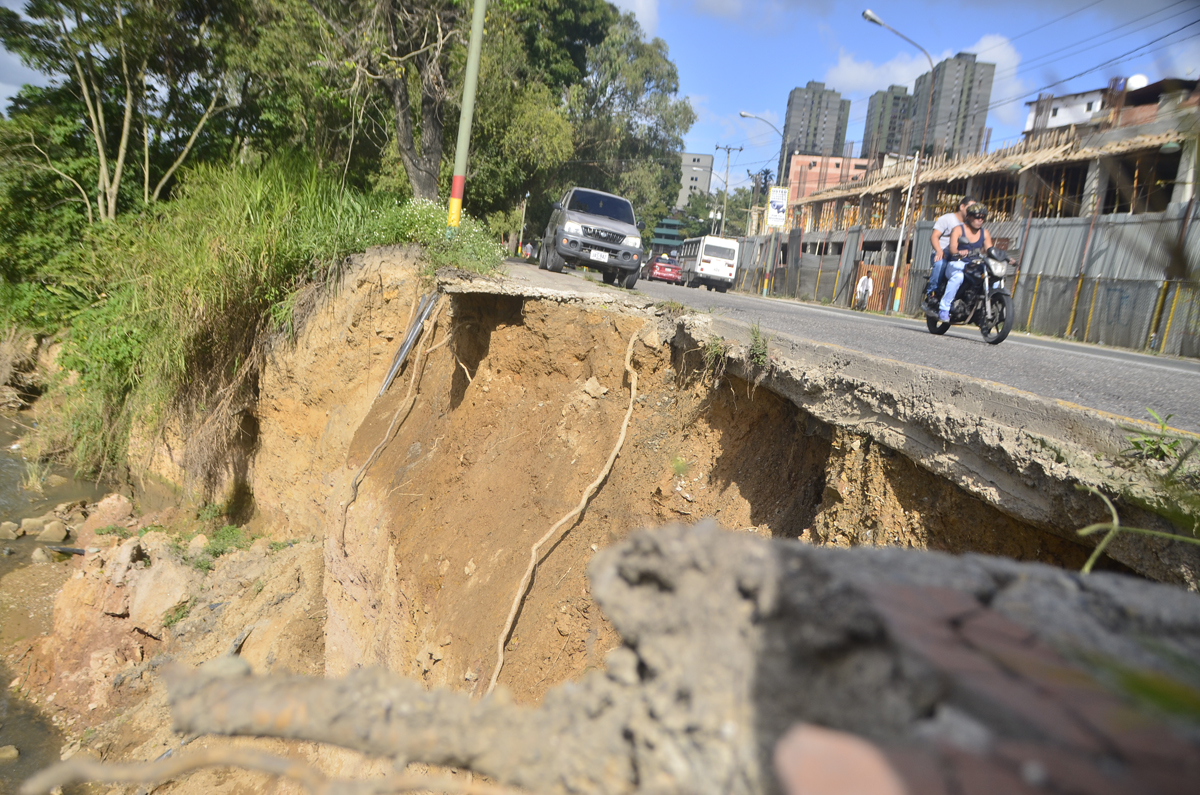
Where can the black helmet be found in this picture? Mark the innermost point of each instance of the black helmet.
(977, 211)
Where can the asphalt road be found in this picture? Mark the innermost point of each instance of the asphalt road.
(1115, 381)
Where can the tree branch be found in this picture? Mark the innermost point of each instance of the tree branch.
(87, 202)
(208, 114)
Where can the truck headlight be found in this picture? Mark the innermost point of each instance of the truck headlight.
(633, 241)
(572, 228)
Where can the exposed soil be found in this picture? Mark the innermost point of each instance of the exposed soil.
(513, 416)
(440, 533)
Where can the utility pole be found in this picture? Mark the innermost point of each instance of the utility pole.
(725, 202)
(458, 183)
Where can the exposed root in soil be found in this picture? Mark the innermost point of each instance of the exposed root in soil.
(81, 771)
(523, 588)
(400, 415)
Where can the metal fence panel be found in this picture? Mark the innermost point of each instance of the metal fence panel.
(1181, 329)
(1116, 312)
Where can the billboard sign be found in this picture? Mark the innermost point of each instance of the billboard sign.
(777, 207)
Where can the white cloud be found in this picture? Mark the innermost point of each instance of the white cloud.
(860, 78)
(646, 12)
(851, 76)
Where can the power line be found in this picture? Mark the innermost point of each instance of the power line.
(1046, 59)
(1040, 60)
(1114, 60)
(1054, 21)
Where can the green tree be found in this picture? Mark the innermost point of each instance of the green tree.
(628, 124)
(158, 70)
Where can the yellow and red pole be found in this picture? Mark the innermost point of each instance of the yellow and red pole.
(459, 183)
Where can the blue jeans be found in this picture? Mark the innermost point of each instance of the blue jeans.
(953, 282)
(935, 275)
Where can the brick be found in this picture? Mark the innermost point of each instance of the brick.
(921, 771)
(939, 605)
(978, 775)
(1136, 735)
(1068, 772)
(991, 696)
(988, 626)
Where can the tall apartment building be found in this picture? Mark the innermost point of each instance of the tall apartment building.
(815, 124)
(696, 177)
(962, 89)
(886, 113)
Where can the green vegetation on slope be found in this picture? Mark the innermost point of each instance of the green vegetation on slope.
(181, 298)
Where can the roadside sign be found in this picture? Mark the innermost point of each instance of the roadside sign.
(777, 207)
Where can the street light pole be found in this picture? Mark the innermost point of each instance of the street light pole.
(725, 200)
(873, 18)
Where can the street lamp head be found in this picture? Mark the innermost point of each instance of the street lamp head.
(871, 16)
(744, 114)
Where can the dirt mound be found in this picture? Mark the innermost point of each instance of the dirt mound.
(955, 671)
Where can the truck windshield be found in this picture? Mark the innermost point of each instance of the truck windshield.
(719, 252)
(586, 201)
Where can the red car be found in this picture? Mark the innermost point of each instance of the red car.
(663, 268)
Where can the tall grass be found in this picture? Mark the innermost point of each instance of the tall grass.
(187, 295)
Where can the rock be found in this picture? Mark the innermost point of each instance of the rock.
(113, 509)
(54, 532)
(594, 389)
(261, 545)
(651, 339)
(9, 753)
(40, 556)
(196, 546)
(10, 531)
(55, 481)
(32, 525)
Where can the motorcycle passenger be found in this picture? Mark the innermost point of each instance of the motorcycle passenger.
(964, 240)
(940, 238)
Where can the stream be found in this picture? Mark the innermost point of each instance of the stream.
(22, 724)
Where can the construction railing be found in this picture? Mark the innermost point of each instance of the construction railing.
(1118, 280)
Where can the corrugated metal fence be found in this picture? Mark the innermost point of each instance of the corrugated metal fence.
(1116, 280)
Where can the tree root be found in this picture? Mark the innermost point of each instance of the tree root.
(523, 588)
(81, 770)
(400, 415)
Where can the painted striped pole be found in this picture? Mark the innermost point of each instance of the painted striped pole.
(459, 184)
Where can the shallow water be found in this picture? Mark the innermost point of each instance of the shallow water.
(21, 724)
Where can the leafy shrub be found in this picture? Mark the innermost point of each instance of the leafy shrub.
(177, 613)
(228, 538)
(1159, 445)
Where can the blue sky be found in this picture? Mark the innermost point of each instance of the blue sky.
(747, 55)
(736, 55)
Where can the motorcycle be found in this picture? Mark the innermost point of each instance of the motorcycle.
(982, 299)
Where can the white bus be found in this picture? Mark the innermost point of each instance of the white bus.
(708, 260)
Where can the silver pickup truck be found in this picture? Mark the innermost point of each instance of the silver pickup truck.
(596, 229)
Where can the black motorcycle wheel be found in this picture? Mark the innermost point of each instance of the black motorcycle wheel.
(935, 326)
(1002, 319)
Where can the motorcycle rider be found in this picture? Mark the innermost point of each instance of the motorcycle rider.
(940, 238)
(965, 239)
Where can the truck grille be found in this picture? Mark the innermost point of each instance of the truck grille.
(603, 234)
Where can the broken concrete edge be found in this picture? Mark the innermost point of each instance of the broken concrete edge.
(1021, 453)
(1024, 454)
(459, 282)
